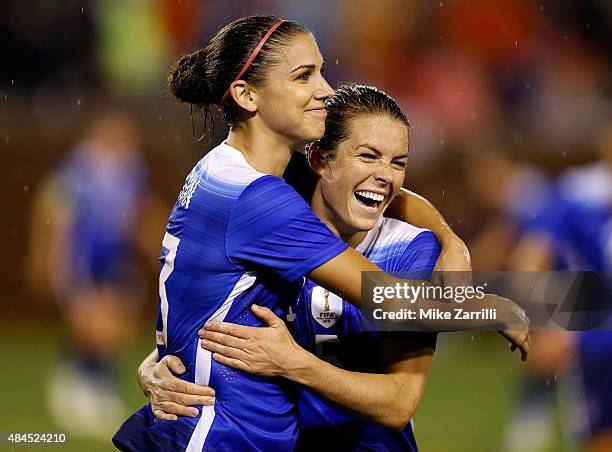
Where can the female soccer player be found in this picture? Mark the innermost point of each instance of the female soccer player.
(239, 235)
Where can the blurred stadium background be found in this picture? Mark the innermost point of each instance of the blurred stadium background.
(503, 98)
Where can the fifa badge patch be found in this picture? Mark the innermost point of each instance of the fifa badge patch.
(325, 306)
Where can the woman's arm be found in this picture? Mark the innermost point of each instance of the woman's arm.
(343, 276)
(389, 399)
(169, 395)
(415, 209)
(454, 266)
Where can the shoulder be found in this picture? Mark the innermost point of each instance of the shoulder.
(222, 175)
(399, 246)
(396, 231)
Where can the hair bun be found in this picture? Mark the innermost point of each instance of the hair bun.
(187, 80)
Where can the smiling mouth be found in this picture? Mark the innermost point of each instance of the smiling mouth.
(369, 199)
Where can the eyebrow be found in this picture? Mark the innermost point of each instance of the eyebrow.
(306, 66)
(377, 152)
(302, 66)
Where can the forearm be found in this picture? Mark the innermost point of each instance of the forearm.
(386, 399)
(415, 209)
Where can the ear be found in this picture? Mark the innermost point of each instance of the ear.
(315, 160)
(244, 95)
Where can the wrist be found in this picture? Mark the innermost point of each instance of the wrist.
(143, 377)
(299, 367)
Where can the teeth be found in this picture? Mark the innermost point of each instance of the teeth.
(371, 195)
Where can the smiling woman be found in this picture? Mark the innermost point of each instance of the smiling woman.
(360, 161)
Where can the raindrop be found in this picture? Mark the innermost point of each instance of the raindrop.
(79, 102)
(588, 26)
(12, 82)
(565, 37)
(459, 221)
(528, 86)
(26, 188)
(8, 139)
(5, 96)
(48, 221)
(472, 338)
(441, 4)
(82, 10)
(564, 154)
(177, 138)
(159, 117)
(515, 43)
(336, 61)
(442, 142)
(442, 192)
(541, 7)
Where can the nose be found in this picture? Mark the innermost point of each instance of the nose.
(383, 174)
(323, 91)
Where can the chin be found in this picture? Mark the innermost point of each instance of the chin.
(364, 224)
(317, 134)
(308, 137)
(316, 130)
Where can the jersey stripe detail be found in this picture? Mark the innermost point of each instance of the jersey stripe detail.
(171, 243)
(204, 364)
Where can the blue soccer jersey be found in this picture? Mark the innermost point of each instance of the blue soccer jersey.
(235, 237)
(331, 328)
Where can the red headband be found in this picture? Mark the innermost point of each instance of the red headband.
(250, 60)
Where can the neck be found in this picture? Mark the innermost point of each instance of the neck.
(326, 215)
(267, 153)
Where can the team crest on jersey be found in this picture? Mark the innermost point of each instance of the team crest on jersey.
(326, 307)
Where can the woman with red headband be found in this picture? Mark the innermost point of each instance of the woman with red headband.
(239, 235)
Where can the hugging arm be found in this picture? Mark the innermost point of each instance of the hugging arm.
(389, 399)
(342, 275)
(454, 256)
(415, 209)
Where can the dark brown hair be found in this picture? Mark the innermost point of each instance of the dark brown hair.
(348, 102)
(202, 77)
